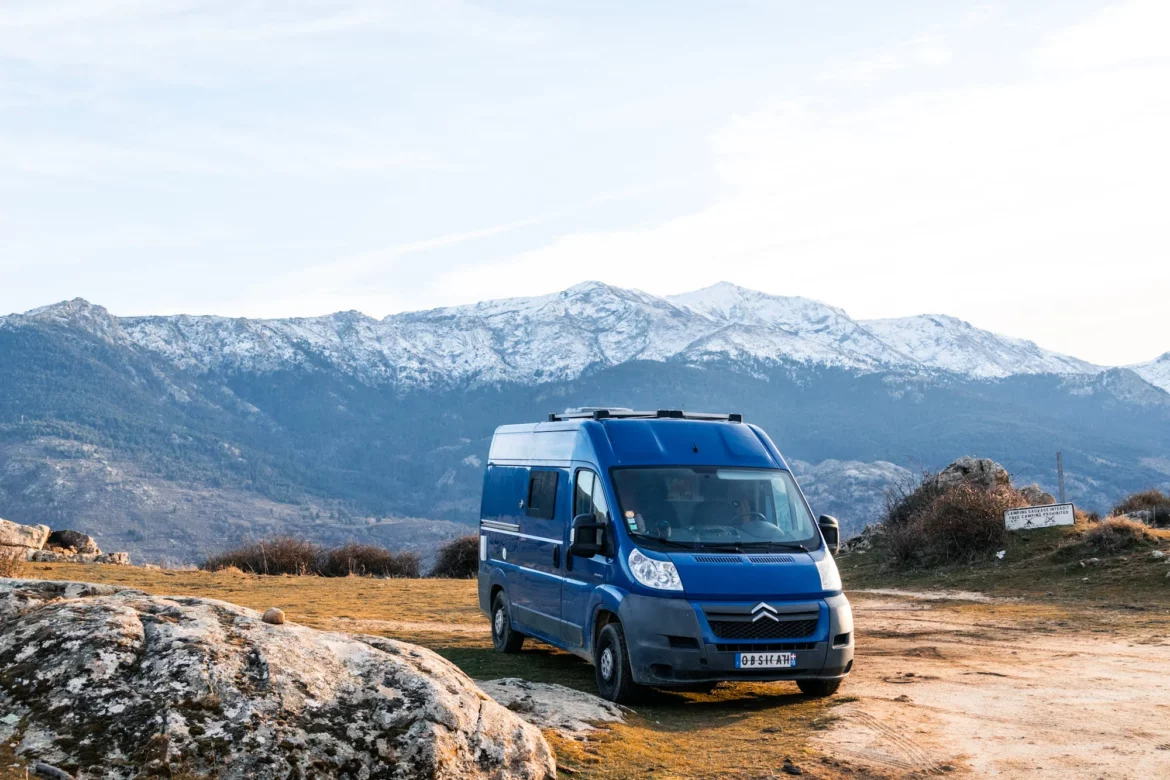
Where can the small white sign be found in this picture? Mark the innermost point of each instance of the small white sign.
(1038, 516)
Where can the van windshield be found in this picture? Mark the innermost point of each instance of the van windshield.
(715, 508)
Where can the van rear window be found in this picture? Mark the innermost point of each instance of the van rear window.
(542, 494)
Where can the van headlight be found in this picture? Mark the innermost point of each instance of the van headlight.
(830, 577)
(654, 574)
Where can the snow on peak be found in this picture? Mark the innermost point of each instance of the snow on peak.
(561, 335)
(78, 313)
(948, 343)
(1156, 372)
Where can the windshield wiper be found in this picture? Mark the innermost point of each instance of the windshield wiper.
(758, 546)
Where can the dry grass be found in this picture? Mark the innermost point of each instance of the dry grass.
(12, 562)
(672, 735)
(1149, 500)
(1116, 535)
(458, 559)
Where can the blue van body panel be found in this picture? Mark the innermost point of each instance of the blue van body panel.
(671, 635)
(775, 576)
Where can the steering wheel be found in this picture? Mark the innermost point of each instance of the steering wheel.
(763, 517)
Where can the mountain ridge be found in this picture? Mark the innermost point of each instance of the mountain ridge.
(561, 335)
(174, 436)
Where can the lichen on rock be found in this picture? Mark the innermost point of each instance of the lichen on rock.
(114, 683)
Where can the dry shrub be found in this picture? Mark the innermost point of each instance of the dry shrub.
(12, 562)
(458, 559)
(928, 525)
(366, 560)
(1148, 500)
(966, 522)
(1117, 534)
(279, 555)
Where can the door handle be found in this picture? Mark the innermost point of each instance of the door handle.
(556, 557)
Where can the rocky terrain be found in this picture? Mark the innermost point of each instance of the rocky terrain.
(38, 543)
(109, 682)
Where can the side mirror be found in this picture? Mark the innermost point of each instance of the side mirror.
(831, 531)
(587, 537)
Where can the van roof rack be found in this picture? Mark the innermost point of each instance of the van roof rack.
(621, 413)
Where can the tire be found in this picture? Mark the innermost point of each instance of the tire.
(611, 666)
(818, 688)
(504, 637)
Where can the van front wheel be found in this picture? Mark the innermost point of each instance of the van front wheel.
(505, 639)
(611, 663)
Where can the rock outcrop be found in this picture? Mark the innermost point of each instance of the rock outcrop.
(983, 472)
(55, 556)
(72, 541)
(568, 711)
(1036, 495)
(114, 683)
(31, 537)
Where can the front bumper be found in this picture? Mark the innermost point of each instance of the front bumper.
(671, 643)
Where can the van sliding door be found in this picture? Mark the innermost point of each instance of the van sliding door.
(537, 553)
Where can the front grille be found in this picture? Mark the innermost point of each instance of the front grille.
(769, 647)
(763, 629)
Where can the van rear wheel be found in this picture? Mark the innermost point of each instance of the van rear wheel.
(505, 639)
(611, 664)
(818, 688)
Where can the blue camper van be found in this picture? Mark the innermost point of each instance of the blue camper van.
(670, 549)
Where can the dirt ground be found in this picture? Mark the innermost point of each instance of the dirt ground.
(945, 684)
(1004, 688)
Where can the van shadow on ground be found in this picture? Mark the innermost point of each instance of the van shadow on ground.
(662, 710)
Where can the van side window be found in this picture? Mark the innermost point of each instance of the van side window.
(542, 494)
(589, 499)
(583, 495)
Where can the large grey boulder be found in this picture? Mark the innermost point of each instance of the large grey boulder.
(108, 682)
(982, 472)
(13, 534)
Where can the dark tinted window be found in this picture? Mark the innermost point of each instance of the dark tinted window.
(542, 494)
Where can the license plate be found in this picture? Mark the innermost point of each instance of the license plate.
(765, 660)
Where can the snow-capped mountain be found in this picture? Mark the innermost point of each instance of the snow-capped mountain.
(951, 344)
(1156, 372)
(561, 336)
(172, 434)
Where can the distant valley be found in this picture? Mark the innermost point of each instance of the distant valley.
(174, 436)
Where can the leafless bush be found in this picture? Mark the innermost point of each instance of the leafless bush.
(365, 560)
(929, 525)
(12, 562)
(458, 559)
(966, 522)
(1154, 501)
(289, 555)
(279, 555)
(1117, 534)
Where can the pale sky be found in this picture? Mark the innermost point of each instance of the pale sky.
(1006, 163)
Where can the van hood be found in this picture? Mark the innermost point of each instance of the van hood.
(763, 576)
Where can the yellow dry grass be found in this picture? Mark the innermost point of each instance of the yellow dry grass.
(738, 731)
